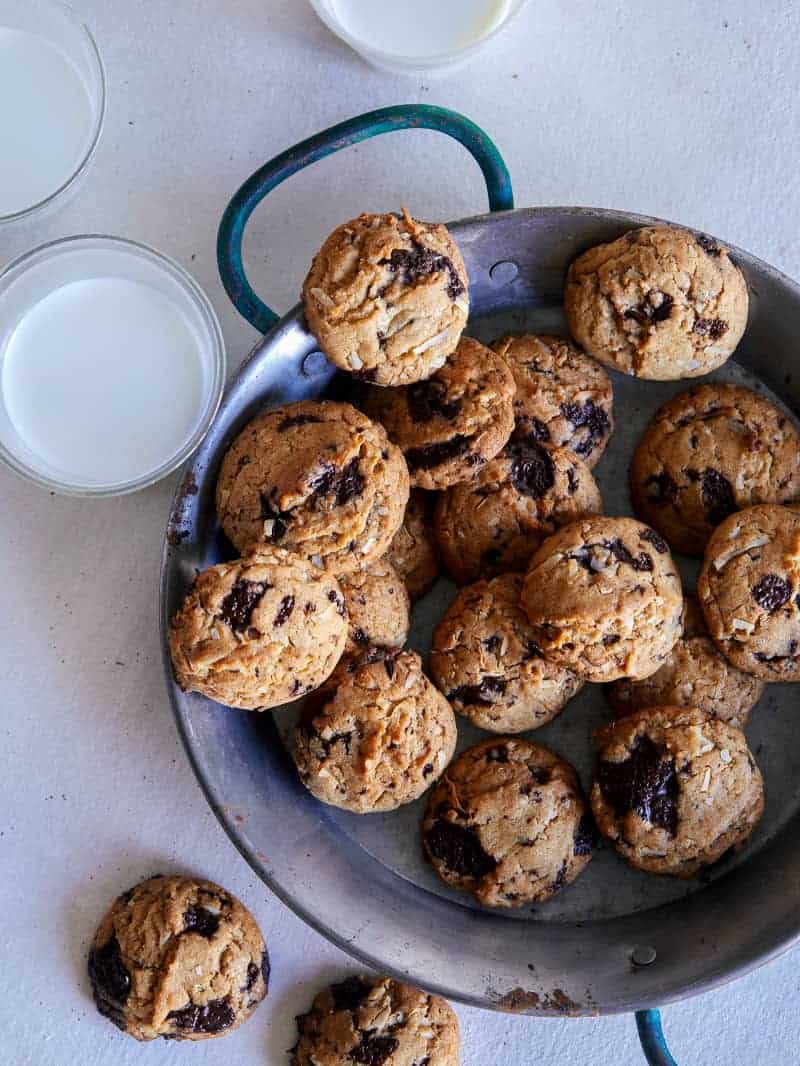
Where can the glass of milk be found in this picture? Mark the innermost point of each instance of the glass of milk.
(417, 36)
(52, 102)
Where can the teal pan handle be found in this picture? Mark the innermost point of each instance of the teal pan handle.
(361, 128)
(651, 1036)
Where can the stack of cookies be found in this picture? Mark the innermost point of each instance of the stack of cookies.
(479, 462)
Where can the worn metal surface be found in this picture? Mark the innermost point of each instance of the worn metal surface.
(361, 880)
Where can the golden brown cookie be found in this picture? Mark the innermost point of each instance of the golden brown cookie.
(317, 478)
(604, 599)
(709, 452)
(749, 590)
(674, 789)
(377, 1021)
(179, 958)
(387, 298)
(563, 396)
(450, 425)
(377, 608)
(486, 662)
(695, 674)
(413, 551)
(379, 740)
(259, 631)
(508, 823)
(660, 302)
(495, 522)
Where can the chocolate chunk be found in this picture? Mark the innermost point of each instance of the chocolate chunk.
(532, 429)
(215, 1016)
(458, 849)
(487, 691)
(344, 485)
(771, 592)
(110, 978)
(585, 836)
(280, 519)
(645, 782)
(427, 769)
(238, 606)
(572, 481)
(431, 455)
(709, 246)
(493, 643)
(648, 313)
(296, 686)
(540, 776)
(350, 993)
(334, 597)
(533, 472)
(284, 611)
(718, 498)
(499, 753)
(713, 328)
(427, 400)
(610, 640)
(199, 920)
(653, 538)
(360, 637)
(373, 1050)
(661, 489)
(296, 420)
(593, 418)
(640, 562)
(532, 650)
(420, 262)
(253, 971)
(561, 877)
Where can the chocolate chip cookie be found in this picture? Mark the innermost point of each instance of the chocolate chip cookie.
(749, 590)
(453, 423)
(387, 298)
(508, 823)
(563, 397)
(495, 522)
(485, 660)
(413, 551)
(259, 631)
(675, 789)
(694, 674)
(316, 478)
(179, 958)
(604, 599)
(709, 452)
(381, 739)
(377, 608)
(378, 1022)
(660, 303)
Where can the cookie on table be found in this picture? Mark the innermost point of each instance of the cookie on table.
(486, 662)
(675, 789)
(450, 425)
(604, 599)
(495, 522)
(179, 958)
(377, 608)
(749, 590)
(317, 478)
(563, 396)
(660, 303)
(709, 452)
(413, 551)
(695, 674)
(379, 1022)
(258, 632)
(379, 740)
(387, 298)
(508, 824)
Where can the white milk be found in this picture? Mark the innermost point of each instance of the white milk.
(418, 28)
(46, 120)
(103, 379)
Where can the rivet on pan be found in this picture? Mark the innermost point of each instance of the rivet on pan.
(313, 364)
(643, 956)
(503, 272)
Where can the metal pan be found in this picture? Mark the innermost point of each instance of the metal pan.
(616, 940)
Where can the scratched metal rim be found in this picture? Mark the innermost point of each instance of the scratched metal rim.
(641, 960)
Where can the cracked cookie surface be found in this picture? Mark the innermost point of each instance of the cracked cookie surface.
(709, 452)
(413, 551)
(179, 958)
(379, 741)
(485, 660)
(258, 632)
(675, 789)
(694, 674)
(317, 478)
(749, 590)
(604, 599)
(377, 1021)
(450, 425)
(494, 523)
(660, 303)
(377, 608)
(563, 396)
(508, 824)
(387, 298)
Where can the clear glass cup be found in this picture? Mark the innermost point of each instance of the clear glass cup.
(62, 28)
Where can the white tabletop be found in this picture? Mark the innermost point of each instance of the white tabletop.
(684, 110)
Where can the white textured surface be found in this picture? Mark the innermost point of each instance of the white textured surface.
(683, 110)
